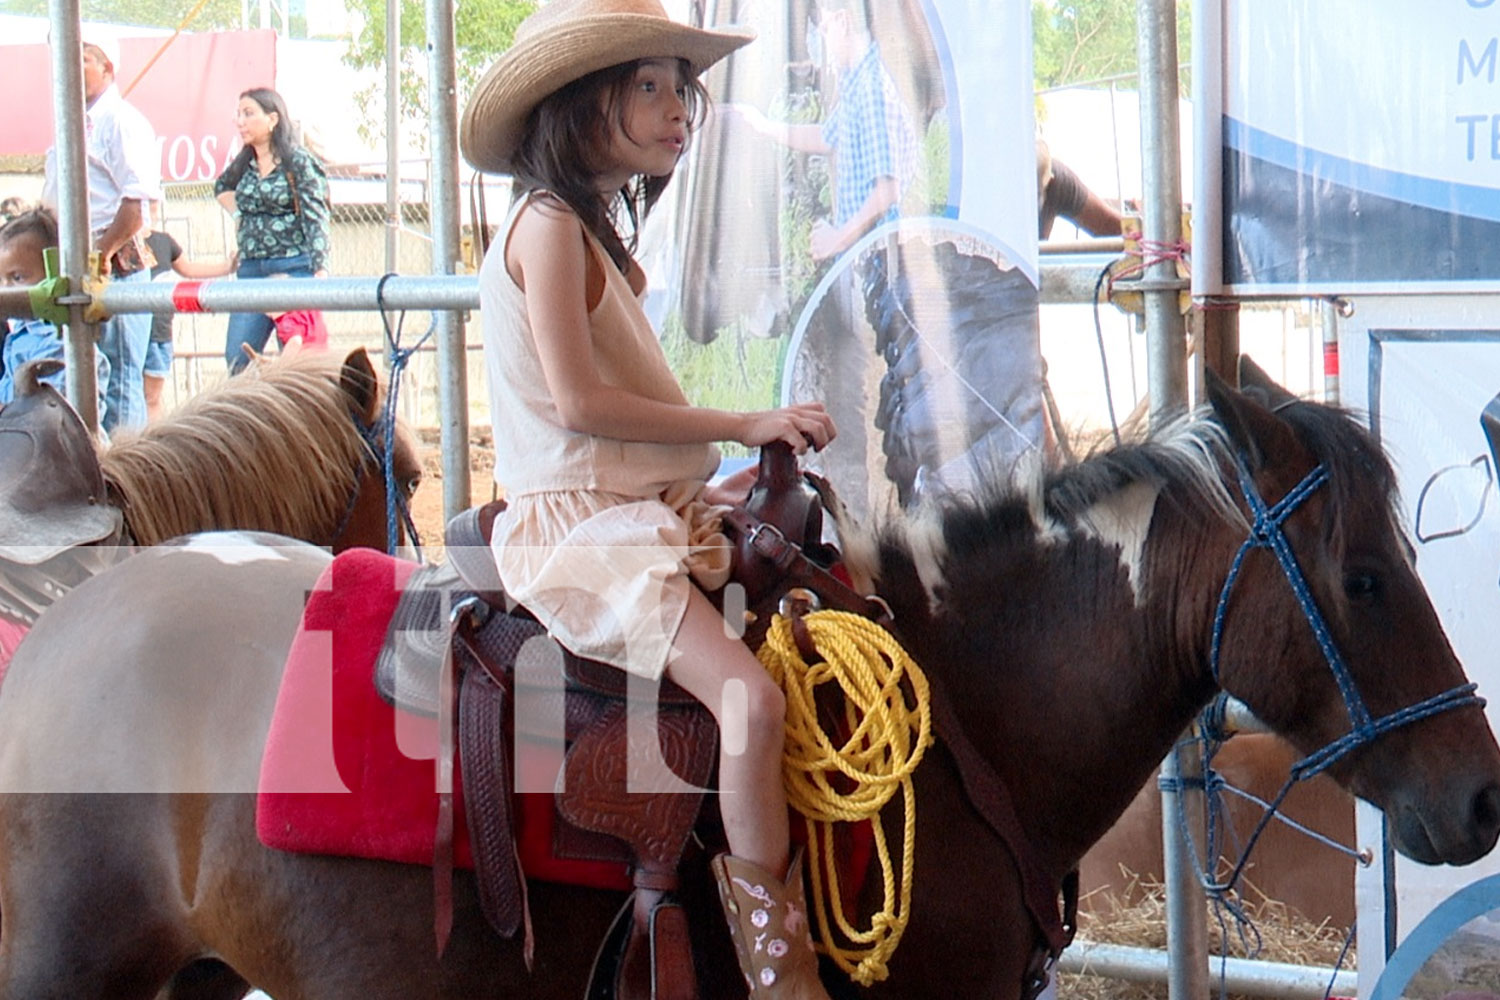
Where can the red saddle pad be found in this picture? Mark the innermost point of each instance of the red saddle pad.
(344, 772)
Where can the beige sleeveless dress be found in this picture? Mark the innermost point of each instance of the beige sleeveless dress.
(601, 534)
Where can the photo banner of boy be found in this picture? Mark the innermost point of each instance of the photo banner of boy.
(857, 223)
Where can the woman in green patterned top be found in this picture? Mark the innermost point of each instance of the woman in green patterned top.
(278, 192)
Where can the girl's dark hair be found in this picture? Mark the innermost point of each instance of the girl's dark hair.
(564, 136)
(39, 222)
(284, 136)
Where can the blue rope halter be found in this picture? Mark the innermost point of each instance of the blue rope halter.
(1266, 533)
(377, 437)
(395, 500)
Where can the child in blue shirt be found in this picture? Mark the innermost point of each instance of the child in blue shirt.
(22, 242)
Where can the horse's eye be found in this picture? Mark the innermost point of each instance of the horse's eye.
(410, 486)
(1361, 587)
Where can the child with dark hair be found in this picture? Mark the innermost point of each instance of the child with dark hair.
(611, 525)
(23, 241)
(170, 260)
(11, 207)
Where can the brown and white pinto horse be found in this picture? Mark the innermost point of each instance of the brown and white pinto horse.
(1070, 627)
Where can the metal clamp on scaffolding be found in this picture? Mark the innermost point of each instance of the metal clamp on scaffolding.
(46, 295)
(1126, 285)
(94, 284)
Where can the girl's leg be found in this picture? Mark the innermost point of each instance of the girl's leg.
(722, 673)
(761, 890)
(253, 329)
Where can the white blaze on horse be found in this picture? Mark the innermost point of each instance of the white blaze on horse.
(137, 711)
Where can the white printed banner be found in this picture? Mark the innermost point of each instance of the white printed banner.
(1360, 145)
(1427, 371)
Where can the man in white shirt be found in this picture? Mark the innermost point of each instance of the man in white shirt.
(124, 177)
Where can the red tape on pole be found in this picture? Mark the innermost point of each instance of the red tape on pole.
(185, 297)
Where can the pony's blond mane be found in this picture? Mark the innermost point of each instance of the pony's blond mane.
(272, 449)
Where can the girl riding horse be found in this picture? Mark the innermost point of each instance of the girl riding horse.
(603, 459)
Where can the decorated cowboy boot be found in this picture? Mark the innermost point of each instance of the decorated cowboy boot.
(769, 925)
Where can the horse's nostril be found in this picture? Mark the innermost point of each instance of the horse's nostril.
(1487, 810)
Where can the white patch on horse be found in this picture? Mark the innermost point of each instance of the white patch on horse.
(235, 548)
(924, 540)
(1049, 530)
(861, 555)
(1123, 520)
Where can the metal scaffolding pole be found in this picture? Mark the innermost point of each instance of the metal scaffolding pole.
(71, 168)
(392, 135)
(1166, 363)
(453, 383)
(1161, 182)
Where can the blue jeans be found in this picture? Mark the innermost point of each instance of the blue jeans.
(254, 329)
(123, 341)
(159, 358)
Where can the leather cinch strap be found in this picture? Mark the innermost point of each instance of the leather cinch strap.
(990, 797)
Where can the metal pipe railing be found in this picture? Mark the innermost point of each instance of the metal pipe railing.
(273, 295)
(1093, 244)
(1244, 976)
(1062, 282)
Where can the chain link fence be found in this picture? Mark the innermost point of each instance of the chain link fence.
(365, 242)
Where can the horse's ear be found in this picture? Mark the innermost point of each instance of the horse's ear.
(1253, 378)
(1253, 428)
(358, 380)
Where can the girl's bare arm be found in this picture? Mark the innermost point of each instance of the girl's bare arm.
(550, 257)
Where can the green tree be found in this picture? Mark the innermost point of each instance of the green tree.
(482, 30)
(216, 15)
(1077, 41)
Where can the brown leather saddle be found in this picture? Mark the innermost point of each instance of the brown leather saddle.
(56, 519)
(517, 689)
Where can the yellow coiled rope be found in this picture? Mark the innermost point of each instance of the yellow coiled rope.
(888, 737)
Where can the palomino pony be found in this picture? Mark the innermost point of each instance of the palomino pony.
(294, 446)
(1075, 630)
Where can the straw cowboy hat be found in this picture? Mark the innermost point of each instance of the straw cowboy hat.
(565, 41)
(51, 488)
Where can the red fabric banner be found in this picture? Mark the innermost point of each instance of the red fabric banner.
(189, 95)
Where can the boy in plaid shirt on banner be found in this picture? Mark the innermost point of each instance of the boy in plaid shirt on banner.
(867, 133)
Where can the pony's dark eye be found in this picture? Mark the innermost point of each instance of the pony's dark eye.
(1361, 587)
(410, 485)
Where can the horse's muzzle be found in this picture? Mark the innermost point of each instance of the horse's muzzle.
(1454, 836)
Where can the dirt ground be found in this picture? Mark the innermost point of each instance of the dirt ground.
(427, 504)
